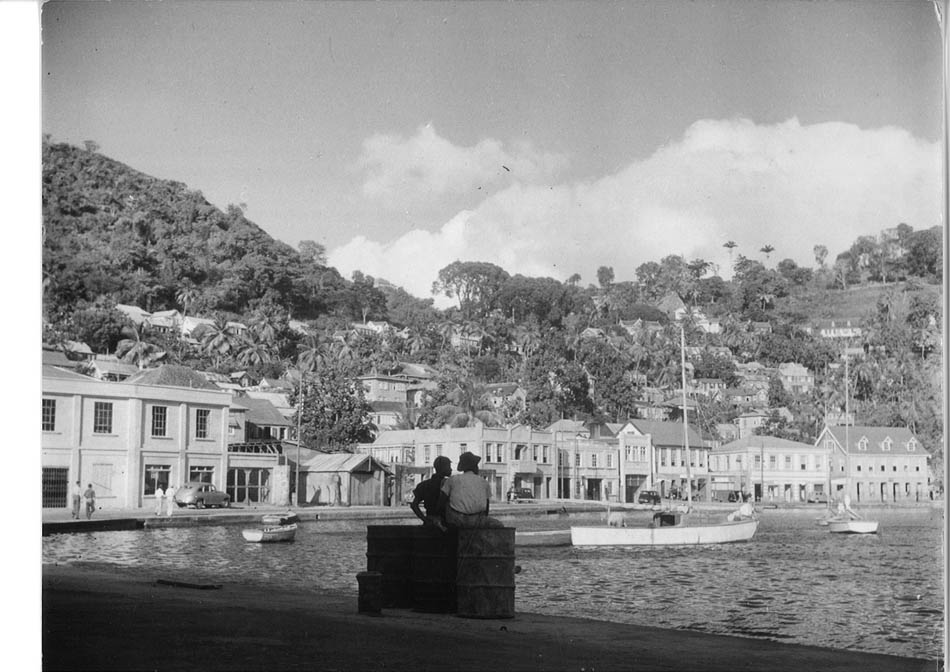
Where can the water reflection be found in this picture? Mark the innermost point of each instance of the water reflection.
(795, 582)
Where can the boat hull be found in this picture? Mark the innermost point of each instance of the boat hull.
(671, 535)
(275, 519)
(270, 534)
(853, 526)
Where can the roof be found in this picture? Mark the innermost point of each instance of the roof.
(666, 433)
(78, 347)
(502, 388)
(758, 441)
(899, 436)
(261, 412)
(388, 406)
(107, 366)
(172, 375)
(58, 358)
(564, 425)
(346, 462)
(57, 372)
(278, 399)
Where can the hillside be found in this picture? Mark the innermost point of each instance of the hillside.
(111, 231)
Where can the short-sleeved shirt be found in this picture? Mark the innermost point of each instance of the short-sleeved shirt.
(159, 493)
(428, 491)
(467, 492)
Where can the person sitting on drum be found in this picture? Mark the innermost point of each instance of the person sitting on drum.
(467, 496)
(429, 493)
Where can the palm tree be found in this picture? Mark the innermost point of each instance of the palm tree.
(730, 245)
(311, 353)
(134, 350)
(767, 250)
(216, 339)
(252, 350)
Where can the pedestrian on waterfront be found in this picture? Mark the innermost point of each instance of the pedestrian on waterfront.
(170, 499)
(335, 493)
(466, 496)
(159, 499)
(77, 500)
(90, 496)
(429, 493)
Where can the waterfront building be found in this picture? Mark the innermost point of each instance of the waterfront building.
(877, 464)
(159, 427)
(772, 469)
(516, 456)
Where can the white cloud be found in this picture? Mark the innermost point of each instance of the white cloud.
(787, 185)
(400, 170)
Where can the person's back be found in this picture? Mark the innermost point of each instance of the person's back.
(467, 496)
(428, 493)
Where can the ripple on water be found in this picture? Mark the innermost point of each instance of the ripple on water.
(794, 582)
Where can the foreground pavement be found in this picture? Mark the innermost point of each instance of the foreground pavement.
(109, 619)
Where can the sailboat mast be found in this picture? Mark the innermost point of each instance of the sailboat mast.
(689, 473)
(847, 423)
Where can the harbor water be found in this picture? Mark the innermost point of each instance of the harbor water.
(794, 582)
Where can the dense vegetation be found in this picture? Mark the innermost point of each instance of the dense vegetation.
(114, 235)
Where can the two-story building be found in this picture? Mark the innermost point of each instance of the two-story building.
(876, 464)
(159, 427)
(771, 469)
(516, 456)
(795, 378)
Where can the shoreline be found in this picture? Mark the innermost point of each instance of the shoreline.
(110, 619)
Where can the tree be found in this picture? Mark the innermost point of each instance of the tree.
(135, 350)
(474, 283)
(574, 279)
(767, 250)
(605, 276)
(730, 245)
(821, 253)
(334, 413)
(313, 252)
(90, 145)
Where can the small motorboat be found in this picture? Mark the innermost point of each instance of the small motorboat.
(270, 533)
(280, 518)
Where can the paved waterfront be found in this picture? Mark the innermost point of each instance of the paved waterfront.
(131, 623)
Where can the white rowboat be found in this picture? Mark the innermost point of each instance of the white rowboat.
(271, 533)
(853, 526)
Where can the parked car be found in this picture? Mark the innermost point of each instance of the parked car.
(200, 495)
(648, 497)
(521, 493)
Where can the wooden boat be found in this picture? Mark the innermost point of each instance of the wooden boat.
(671, 531)
(280, 518)
(674, 528)
(271, 533)
(852, 526)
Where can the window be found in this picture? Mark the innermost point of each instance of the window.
(201, 474)
(859, 467)
(49, 415)
(201, 423)
(159, 420)
(610, 460)
(544, 454)
(500, 449)
(758, 461)
(438, 449)
(102, 418)
(593, 459)
(427, 454)
(895, 467)
(788, 461)
(488, 452)
(882, 467)
(771, 461)
(156, 475)
(887, 444)
(803, 466)
(911, 446)
(534, 453)
(577, 459)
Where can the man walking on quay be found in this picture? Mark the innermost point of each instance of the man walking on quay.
(90, 496)
(77, 500)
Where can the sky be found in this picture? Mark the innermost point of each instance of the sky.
(547, 138)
